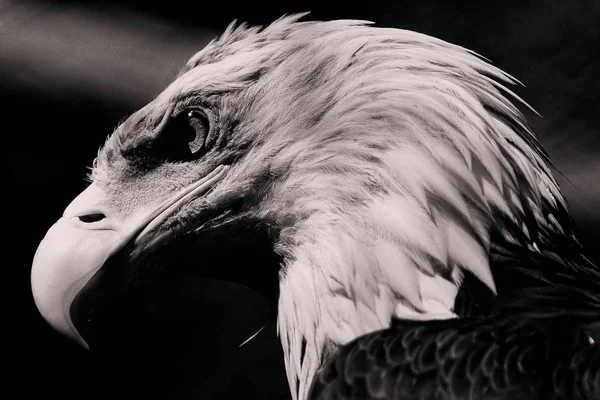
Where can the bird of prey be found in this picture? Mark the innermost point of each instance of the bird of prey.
(379, 187)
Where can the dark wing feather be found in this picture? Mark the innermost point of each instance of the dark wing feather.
(517, 356)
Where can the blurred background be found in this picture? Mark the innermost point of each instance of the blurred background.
(71, 70)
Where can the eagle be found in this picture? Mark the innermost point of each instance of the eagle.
(379, 187)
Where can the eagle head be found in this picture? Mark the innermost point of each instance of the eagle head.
(351, 174)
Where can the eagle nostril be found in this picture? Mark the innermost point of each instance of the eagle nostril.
(89, 218)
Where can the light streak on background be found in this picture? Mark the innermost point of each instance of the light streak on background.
(110, 53)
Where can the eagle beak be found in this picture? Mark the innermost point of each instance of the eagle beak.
(89, 233)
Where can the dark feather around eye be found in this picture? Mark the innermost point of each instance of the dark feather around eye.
(181, 137)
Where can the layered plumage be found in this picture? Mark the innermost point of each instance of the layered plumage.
(519, 356)
(383, 165)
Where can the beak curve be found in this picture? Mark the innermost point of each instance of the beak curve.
(89, 233)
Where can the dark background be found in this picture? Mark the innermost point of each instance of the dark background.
(71, 70)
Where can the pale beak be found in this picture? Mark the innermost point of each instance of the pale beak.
(77, 246)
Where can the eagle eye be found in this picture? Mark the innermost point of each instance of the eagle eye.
(200, 127)
(183, 138)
